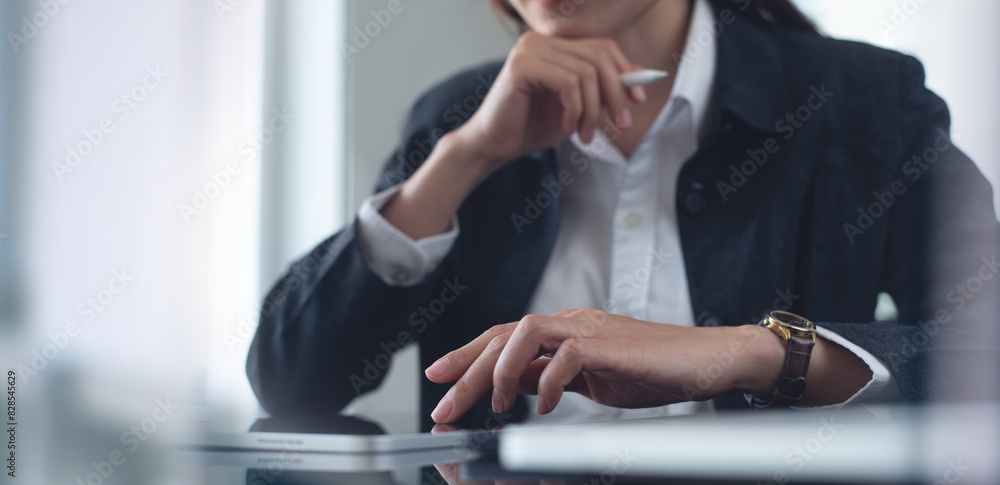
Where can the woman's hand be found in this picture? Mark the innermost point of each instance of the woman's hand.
(611, 359)
(549, 88)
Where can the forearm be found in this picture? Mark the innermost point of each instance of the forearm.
(429, 199)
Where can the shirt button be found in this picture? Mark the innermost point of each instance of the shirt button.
(694, 199)
(710, 319)
(400, 276)
(633, 220)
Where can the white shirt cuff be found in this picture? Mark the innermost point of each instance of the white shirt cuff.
(392, 255)
(881, 387)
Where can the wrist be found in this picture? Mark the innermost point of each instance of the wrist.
(429, 199)
(458, 149)
(763, 361)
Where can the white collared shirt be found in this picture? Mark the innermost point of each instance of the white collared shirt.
(618, 246)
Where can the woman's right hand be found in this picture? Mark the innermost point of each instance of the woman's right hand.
(549, 88)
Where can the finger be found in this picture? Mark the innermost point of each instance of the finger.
(590, 89)
(449, 472)
(455, 363)
(473, 385)
(562, 81)
(611, 65)
(574, 356)
(444, 428)
(528, 384)
(567, 84)
(537, 72)
(534, 334)
(564, 313)
(529, 381)
(637, 93)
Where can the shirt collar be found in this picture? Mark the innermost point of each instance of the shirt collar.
(696, 65)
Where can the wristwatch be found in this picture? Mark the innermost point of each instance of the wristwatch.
(800, 335)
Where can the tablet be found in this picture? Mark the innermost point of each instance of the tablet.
(333, 434)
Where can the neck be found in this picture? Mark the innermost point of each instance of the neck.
(653, 41)
(657, 35)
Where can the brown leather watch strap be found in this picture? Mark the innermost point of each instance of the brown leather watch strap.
(792, 384)
(799, 334)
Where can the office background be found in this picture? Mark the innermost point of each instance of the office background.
(163, 162)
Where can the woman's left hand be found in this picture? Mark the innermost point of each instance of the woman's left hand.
(610, 359)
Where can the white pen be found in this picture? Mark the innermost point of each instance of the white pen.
(643, 77)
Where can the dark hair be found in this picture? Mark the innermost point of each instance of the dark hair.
(776, 14)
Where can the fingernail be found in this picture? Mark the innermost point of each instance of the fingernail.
(497, 402)
(443, 409)
(437, 369)
(639, 93)
(543, 407)
(624, 118)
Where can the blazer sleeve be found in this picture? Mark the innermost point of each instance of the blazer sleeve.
(940, 261)
(330, 325)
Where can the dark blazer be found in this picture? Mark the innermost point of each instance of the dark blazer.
(805, 195)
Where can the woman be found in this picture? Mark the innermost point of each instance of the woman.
(622, 243)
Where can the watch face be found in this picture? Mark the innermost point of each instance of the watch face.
(794, 321)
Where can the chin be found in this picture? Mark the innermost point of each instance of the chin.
(574, 26)
(578, 18)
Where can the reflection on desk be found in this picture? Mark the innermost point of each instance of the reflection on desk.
(887, 444)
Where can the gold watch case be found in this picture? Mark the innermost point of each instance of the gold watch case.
(787, 324)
